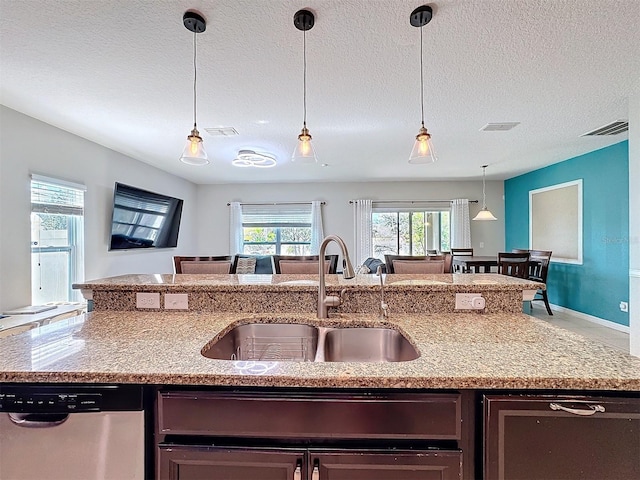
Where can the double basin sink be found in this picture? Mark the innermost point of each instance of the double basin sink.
(307, 343)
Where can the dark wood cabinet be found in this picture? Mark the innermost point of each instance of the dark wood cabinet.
(315, 435)
(227, 463)
(561, 438)
(200, 462)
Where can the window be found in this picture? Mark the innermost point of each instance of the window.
(277, 229)
(409, 231)
(57, 240)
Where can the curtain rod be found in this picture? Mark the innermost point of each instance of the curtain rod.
(278, 203)
(410, 201)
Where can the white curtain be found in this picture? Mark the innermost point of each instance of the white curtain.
(460, 223)
(363, 247)
(317, 232)
(236, 243)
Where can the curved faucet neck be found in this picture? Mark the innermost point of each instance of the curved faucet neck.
(324, 302)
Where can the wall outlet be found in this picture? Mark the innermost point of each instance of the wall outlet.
(624, 306)
(469, 301)
(176, 301)
(481, 244)
(147, 300)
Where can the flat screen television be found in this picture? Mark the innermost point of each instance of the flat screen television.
(143, 219)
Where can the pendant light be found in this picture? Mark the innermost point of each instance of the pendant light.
(194, 152)
(422, 148)
(484, 214)
(304, 152)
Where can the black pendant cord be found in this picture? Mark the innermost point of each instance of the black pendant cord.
(195, 76)
(421, 80)
(484, 196)
(304, 76)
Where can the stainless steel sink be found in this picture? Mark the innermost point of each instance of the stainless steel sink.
(367, 345)
(306, 343)
(266, 341)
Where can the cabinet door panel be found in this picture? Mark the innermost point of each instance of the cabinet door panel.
(194, 462)
(538, 438)
(401, 465)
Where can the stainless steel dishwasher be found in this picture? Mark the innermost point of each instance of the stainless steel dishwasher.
(71, 432)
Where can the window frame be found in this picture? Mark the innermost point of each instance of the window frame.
(51, 196)
(398, 210)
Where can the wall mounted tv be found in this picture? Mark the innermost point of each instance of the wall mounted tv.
(143, 219)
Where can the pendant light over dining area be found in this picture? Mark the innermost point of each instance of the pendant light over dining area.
(194, 152)
(484, 214)
(304, 151)
(422, 151)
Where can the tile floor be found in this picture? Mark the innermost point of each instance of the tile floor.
(599, 333)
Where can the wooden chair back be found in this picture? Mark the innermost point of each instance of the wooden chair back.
(514, 264)
(418, 264)
(304, 264)
(462, 251)
(220, 264)
(459, 252)
(540, 267)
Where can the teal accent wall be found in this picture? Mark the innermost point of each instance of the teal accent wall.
(598, 285)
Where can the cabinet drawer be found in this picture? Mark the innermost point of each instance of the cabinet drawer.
(311, 415)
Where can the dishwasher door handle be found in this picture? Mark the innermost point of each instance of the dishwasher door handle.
(38, 420)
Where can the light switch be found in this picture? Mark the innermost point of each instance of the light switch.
(176, 301)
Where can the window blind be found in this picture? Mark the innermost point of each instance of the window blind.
(283, 214)
(56, 197)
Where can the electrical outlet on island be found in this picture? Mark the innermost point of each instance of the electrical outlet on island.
(147, 300)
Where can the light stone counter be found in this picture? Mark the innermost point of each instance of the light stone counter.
(458, 351)
(408, 294)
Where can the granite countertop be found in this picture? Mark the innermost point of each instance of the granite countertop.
(458, 351)
(194, 283)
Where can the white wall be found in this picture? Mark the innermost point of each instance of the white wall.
(634, 222)
(30, 146)
(213, 231)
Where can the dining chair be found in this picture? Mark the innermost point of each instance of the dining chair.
(514, 264)
(294, 264)
(407, 264)
(196, 265)
(540, 260)
(459, 252)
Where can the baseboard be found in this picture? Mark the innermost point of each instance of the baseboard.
(590, 318)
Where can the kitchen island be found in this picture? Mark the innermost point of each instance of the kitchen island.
(436, 412)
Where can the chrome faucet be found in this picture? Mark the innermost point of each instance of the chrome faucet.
(384, 308)
(325, 301)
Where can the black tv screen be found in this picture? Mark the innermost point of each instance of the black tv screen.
(143, 219)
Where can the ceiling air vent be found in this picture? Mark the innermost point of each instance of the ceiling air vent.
(499, 127)
(613, 128)
(221, 131)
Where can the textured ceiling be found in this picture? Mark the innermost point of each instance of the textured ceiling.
(119, 73)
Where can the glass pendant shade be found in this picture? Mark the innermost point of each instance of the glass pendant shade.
(304, 151)
(194, 152)
(422, 151)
